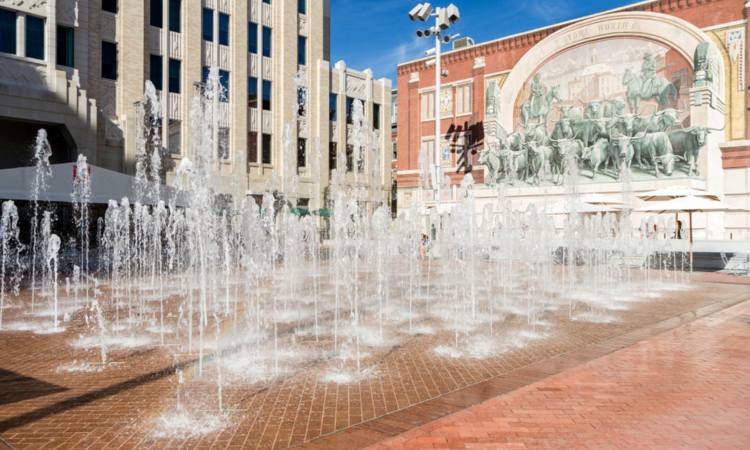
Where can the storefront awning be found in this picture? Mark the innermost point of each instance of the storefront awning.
(15, 184)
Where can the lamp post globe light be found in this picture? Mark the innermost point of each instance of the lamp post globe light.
(444, 18)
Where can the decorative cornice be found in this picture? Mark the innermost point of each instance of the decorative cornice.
(530, 38)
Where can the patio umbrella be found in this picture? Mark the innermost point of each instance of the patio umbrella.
(602, 199)
(673, 192)
(577, 206)
(689, 204)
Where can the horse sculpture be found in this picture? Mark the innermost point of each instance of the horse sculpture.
(543, 107)
(658, 88)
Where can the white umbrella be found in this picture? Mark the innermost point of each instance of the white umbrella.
(566, 207)
(689, 204)
(602, 199)
(672, 192)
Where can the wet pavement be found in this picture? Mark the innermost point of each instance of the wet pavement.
(686, 388)
(53, 395)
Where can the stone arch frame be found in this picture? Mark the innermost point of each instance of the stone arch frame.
(672, 31)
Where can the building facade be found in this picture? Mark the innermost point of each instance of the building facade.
(78, 68)
(629, 100)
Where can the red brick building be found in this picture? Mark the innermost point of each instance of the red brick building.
(489, 83)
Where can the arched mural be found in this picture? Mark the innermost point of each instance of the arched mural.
(608, 106)
(607, 100)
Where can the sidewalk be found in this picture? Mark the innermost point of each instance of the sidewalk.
(686, 388)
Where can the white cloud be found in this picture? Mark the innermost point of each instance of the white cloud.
(384, 64)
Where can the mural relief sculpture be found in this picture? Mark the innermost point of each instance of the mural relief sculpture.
(608, 108)
(539, 103)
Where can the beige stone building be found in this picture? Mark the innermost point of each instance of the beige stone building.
(77, 68)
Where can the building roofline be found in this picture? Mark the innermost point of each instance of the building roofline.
(532, 31)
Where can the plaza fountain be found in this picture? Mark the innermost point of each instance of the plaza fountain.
(248, 293)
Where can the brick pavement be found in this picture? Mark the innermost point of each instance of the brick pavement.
(686, 388)
(118, 407)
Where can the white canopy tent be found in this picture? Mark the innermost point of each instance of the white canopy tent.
(15, 184)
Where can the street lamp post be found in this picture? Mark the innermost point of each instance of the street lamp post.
(444, 18)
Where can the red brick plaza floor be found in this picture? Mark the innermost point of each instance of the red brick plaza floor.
(686, 388)
(668, 373)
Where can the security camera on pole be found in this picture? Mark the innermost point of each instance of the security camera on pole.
(444, 18)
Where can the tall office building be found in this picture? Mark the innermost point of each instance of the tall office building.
(78, 69)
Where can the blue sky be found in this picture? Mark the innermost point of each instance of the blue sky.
(378, 33)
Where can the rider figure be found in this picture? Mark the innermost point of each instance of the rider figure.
(648, 72)
(538, 91)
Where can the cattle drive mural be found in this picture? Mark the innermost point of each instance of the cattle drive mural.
(605, 108)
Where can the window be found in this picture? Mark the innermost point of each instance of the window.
(155, 73)
(175, 69)
(224, 82)
(301, 152)
(301, 50)
(428, 105)
(223, 144)
(223, 29)
(266, 148)
(65, 46)
(266, 95)
(302, 6)
(252, 38)
(208, 24)
(252, 92)
(175, 137)
(252, 147)
(331, 155)
(268, 2)
(428, 148)
(301, 101)
(349, 158)
(395, 150)
(333, 101)
(349, 110)
(7, 31)
(109, 6)
(34, 37)
(458, 147)
(266, 42)
(109, 60)
(463, 99)
(375, 116)
(175, 18)
(156, 13)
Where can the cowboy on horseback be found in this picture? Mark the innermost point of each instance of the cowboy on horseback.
(537, 106)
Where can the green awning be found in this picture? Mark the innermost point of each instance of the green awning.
(299, 211)
(323, 212)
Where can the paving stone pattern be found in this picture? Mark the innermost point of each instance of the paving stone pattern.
(118, 407)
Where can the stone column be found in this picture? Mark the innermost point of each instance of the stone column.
(51, 44)
(707, 109)
(131, 69)
(322, 129)
(238, 96)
